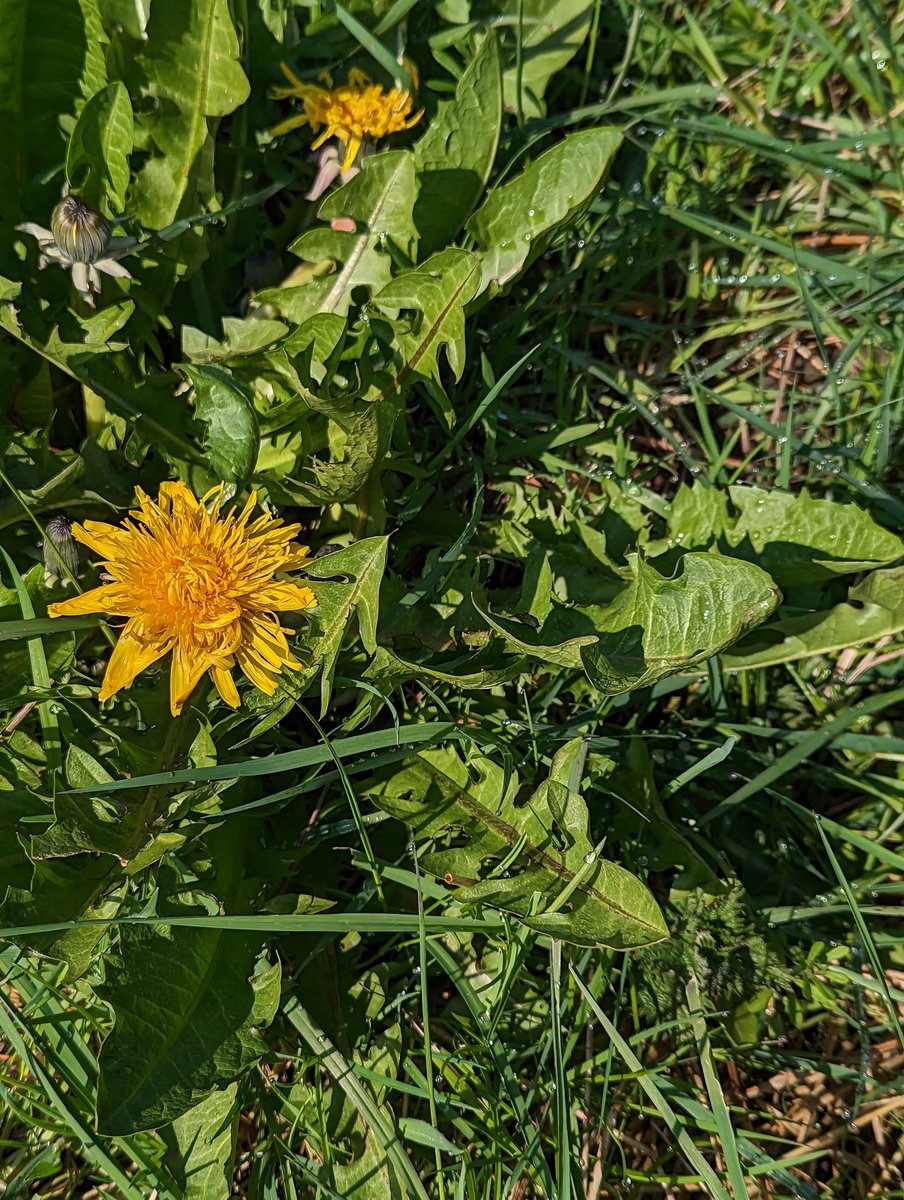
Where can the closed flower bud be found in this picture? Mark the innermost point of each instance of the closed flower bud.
(80, 232)
(60, 549)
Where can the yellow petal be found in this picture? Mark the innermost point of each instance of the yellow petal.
(185, 672)
(282, 597)
(112, 598)
(290, 75)
(290, 123)
(351, 153)
(265, 680)
(297, 557)
(132, 653)
(269, 649)
(225, 685)
(106, 540)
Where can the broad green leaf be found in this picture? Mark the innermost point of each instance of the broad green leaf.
(131, 16)
(202, 1141)
(467, 671)
(186, 1005)
(874, 609)
(97, 161)
(799, 540)
(658, 626)
(551, 32)
(559, 641)
(454, 157)
(551, 877)
(430, 302)
(87, 823)
(380, 203)
(518, 220)
(357, 448)
(64, 889)
(240, 338)
(346, 584)
(232, 436)
(51, 62)
(316, 342)
(191, 75)
(697, 516)
(366, 1176)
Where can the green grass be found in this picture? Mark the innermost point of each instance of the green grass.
(728, 310)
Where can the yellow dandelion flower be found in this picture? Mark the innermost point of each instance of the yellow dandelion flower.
(356, 112)
(198, 583)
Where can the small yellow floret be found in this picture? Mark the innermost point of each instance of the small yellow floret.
(198, 583)
(356, 112)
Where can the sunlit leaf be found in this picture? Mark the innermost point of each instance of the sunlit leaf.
(454, 156)
(346, 584)
(550, 33)
(232, 430)
(553, 878)
(203, 1142)
(191, 75)
(379, 204)
(97, 161)
(657, 625)
(874, 609)
(519, 219)
(430, 302)
(799, 539)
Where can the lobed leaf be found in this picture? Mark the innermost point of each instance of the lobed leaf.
(550, 32)
(873, 610)
(338, 600)
(379, 202)
(553, 878)
(658, 626)
(798, 539)
(436, 294)
(203, 1144)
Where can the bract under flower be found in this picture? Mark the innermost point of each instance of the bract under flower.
(355, 113)
(199, 584)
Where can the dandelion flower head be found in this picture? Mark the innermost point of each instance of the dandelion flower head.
(79, 239)
(198, 583)
(357, 112)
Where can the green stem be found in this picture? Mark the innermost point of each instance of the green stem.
(169, 753)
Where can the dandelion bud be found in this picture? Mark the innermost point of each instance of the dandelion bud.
(80, 232)
(60, 549)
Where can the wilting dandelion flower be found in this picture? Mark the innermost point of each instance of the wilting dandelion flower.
(358, 112)
(198, 583)
(79, 238)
